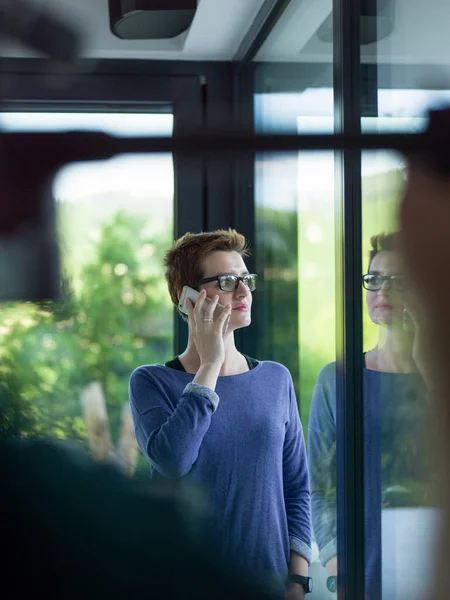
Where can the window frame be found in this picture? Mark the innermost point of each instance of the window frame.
(199, 95)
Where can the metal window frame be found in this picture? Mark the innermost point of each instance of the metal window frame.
(348, 89)
(264, 22)
(200, 97)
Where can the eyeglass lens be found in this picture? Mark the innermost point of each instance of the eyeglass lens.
(375, 282)
(228, 283)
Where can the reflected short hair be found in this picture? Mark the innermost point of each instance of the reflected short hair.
(184, 260)
(383, 242)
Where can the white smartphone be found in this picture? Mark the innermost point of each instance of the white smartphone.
(192, 295)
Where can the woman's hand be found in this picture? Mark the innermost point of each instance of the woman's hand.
(207, 333)
(420, 347)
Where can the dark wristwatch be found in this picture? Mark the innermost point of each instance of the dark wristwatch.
(305, 582)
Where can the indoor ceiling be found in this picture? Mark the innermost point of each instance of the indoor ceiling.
(218, 29)
(420, 34)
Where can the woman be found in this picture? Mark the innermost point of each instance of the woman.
(227, 422)
(395, 411)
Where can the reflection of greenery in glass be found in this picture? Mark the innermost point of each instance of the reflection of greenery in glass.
(297, 252)
(118, 318)
(276, 254)
(296, 265)
(381, 195)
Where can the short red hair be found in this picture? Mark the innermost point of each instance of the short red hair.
(184, 260)
(383, 242)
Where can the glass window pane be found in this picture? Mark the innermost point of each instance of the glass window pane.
(407, 78)
(68, 362)
(399, 500)
(296, 262)
(295, 249)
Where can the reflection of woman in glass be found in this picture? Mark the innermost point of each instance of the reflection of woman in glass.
(394, 412)
(226, 422)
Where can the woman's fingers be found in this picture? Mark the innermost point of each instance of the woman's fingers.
(190, 311)
(411, 314)
(224, 315)
(189, 308)
(415, 311)
(209, 307)
(199, 304)
(223, 319)
(204, 308)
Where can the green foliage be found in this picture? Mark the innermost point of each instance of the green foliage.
(120, 318)
(297, 260)
(297, 306)
(17, 415)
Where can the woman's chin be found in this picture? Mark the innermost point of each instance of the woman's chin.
(240, 322)
(382, 320)
(389, 322)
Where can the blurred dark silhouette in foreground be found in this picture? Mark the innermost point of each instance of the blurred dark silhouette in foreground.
(425, 220)
(72, 528)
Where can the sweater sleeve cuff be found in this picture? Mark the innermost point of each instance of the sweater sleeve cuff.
(328, 552)
(205, 392)
(301, 548)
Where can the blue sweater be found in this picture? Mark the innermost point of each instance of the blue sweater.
(243, 444)
(396, 469)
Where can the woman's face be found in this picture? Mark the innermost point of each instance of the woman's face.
(229, 263)
(386, 305)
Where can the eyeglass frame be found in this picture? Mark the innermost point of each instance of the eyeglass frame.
(239, 278)
(390, 278)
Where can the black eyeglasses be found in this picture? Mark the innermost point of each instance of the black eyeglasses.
(230, 283)
(374, 282)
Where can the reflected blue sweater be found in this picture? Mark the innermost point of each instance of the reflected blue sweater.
(244, 445)
(395, 457)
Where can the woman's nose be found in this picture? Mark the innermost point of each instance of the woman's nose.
(386, 285)
(242, 289)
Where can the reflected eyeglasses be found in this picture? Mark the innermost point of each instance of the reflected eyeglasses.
(230, 283)
(373, 282)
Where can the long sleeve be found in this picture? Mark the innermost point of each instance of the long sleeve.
(322, 464)
(170, 434)
(297, 495)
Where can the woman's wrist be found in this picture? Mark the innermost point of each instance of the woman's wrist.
(209, 369)
(207, 375)
(210, 364)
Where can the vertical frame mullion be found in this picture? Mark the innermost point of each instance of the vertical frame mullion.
(244, 209)
(189, 205)
(349, 353)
